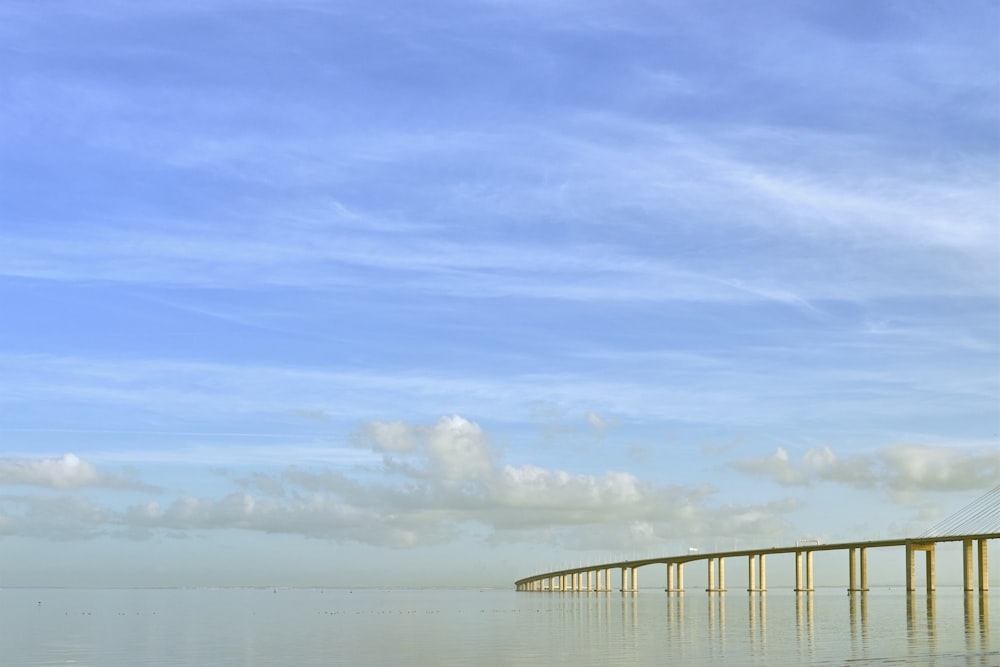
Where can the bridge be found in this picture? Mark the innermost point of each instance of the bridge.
(974, 526)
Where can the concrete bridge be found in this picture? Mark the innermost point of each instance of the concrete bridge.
(599, 577)
(974, 525)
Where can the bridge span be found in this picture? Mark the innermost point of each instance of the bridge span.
(598, 578)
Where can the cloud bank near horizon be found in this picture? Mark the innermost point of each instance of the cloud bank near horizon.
(437, 482)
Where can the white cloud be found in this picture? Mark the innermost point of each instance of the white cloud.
(601, 425)
(389, 437)
(903, 470)
(914, 468)
(66, 472)
(777, 466)
(453, 448)
(435, 482)
(437, 479)
(459, 449)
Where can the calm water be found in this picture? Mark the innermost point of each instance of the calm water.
(490, 627)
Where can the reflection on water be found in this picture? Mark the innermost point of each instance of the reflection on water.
(977, 622)
(495, 627)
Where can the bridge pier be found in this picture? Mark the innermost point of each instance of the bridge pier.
(852, 571)
(984, 575)
(626, 571)
(808, 588)
(754, 569)
(928, 549)
(711, 575)
(675, 578)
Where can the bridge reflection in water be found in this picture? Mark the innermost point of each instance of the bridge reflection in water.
(791, 628)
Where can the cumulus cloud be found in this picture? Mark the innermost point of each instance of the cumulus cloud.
(453, 448)
(902, 470)
(777, 466)
(389, 436)
(436, 481)
(923, 467)
(443, 479)
(66, 472)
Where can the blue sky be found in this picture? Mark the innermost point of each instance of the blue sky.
(360, 293)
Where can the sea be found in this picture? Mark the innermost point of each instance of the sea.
(483, 627)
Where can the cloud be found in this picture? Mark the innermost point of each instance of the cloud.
(601, 425)
(68, 516)
(435, 482)
(929, 468)
(777, 466)
(902, 470)
(454, 448)
(439, 480)
(66, 472)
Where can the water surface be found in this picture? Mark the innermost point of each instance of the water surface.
(489, 627)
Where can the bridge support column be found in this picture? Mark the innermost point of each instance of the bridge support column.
(799, 588)
(713, 564)
(984, 574)
(675, 577)
(930, 572)
(626, 587)
(967, 565)
(911, 549)
(754, 569)
(910, 583)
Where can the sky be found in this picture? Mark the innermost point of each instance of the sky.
(387, 293)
